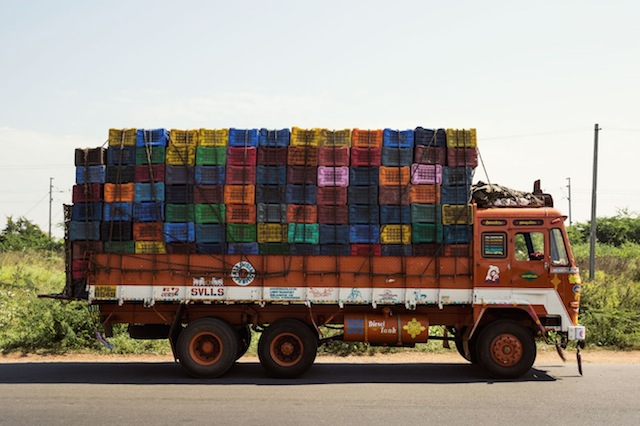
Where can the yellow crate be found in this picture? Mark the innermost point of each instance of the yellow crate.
(150, 247)
(395, 234)
(308, 137)
(181, 155)
(122, 137)
(272, 233)
(462, 138)
(457, 214)
(183, 137)
(337, 138)
(213, 137)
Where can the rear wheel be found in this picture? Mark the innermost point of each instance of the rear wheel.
(506, 350)
(287, 348)
(208, 347)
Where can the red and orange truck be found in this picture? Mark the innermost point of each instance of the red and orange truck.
(292, 231)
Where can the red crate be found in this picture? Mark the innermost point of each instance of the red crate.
(333, 215)
(148, 231)
(430, 154)
(241, 175)
(331, 195)
(302, 156)
(333, 156)
(366, 138)
(425, 194)
(299, 213)
(149, 173)
(208, 194)
(272, 156)
(394, 195)
(86, 193)
(459, 157)
(84, 249)
(302, 175)
(241, 213)
(366, 250)
(241, 156)
(366, 157)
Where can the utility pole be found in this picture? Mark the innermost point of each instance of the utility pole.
(50, 202)
(592, 236)
(569, 199)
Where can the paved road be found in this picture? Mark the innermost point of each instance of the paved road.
(111, 393)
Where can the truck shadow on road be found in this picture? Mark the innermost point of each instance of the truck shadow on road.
(248, 373)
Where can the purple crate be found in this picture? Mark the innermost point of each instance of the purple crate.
(426, 174)
(333, 176)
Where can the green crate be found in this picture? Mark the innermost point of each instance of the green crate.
(425, 213)
(179, 213)
(274, 248)
(426, 233)
(119, 247)
(210, 213)
(241, 233)
(156, 154)
(304, 233)
(211, 156)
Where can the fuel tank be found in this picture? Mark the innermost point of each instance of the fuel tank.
(386, 329)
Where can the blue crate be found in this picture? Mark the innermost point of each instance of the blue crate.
(454, 194)
(397, 138)
(243, 248)
(362, 195)
(270, 194)
(457, 234)
(304, 249)
(397, 157)
(90, 174)
(396, 250)
(300, 194)
(334, 234)
(271, 175)
(180, 175)
(364, 213)
(152, 137)
(121, 155)
(143, 192)
(243, 137)
(364, 234)
(148, 212)
(79, 231)
(456, 176)
(87, 212)
(335, 250)
(118, 212)
(210, 233)
(429, 137)
(210, 175)
(274, 138)
(395, 214)
(363, 176)
(211, 248)
(179, 232)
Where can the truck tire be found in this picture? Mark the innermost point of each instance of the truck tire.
(506, 350)
(244, 340)
(460, 340)
(208, 347)
(287, 348)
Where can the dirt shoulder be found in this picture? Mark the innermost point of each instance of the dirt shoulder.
(545, 356)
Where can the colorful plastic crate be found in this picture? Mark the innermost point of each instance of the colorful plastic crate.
(239, 175)
(460, 157)
(119, 192)
(271, 213)
(334, 234)
(211, 156)
(424, 194)
(209, 233)
(90, 174)
(308, 137)
(457, 176)
(272, 156)
(303, 233)
(87, 212)
(366, 138)
(364, 214)
(302, 175)
(180, 232)
(179, 213)
(430, 154)
(120, 155)
(333, 176)
(366, 250)
(331, 196)
(333, 215)
(148, 231)
(119, 247)
(151, 137)
(242, 156)
(394, 195)
(304, 249)
(84, 231)
(364, 176)
(271, 175)
(243, 248)
(425, 213)
(397, 250)
(148, 212)
(395, 214)
(302, 156)
(181, 175)
(363, 194)
(210, 213)
(243, 137)
(396, 157)
(239, 194)
(180, 155)
(366, 157)
(397, 138)
(335, 249)
(426, 233)
(429, 137)
(333, 156)
(462, 138)
(86, 193)
(120, 174)
(116, 231)
(179, 194)
(122, 137)
(272, 233)
(149, 173)
(148, 192)
(302, 213)
(454, 214)
(151, 155)
(150, 247)
(426, 174)
(273, 248)
(395, 176)
(183, 138)
(364, 234)
(211, 175)
(457, 234)
(208, 194)
(270, 194)
(455, 194)
(117, 211)
(213, 137)
(337, 138)
(274, 138)
(211, 248)
(241, 213)
(395, 234)
(300, 194)
(241, 233)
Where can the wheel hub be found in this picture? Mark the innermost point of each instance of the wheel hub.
(506, 350)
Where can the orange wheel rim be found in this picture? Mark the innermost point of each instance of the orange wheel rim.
(506, 350)
(205, 348)
(286, 349)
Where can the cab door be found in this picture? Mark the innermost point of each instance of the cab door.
(529, 259)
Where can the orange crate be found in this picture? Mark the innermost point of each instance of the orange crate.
(240, 194)
(241, 213)
(298, 213)
(272, 233)
(394, 176)
(148, 231)
(457, 214)
(366, 138)
(183, 137)
(424, 194)
(119, 192)
(302, 156)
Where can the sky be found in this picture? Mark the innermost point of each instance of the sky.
(533, 78)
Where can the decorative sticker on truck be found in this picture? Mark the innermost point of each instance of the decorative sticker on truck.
(243, 273)
(414, 328)
(493, 275)
(529, 276)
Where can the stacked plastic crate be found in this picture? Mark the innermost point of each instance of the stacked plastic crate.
(363, 192)
(457, 212)
(303, 230)
(179, 214)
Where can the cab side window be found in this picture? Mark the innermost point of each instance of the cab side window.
(559, 255)
(529, 246)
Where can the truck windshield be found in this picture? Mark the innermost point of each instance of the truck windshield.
(559, 256)
(529, 246)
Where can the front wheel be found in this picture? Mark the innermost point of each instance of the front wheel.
(208, 347)
(287, 348)
(506, 350)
